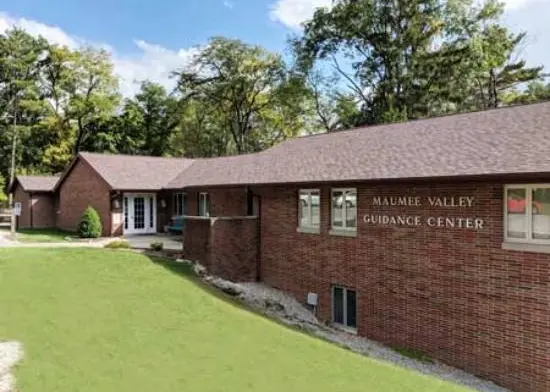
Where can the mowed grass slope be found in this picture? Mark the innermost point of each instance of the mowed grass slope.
(98, 320)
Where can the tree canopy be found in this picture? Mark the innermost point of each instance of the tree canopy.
(357, 62)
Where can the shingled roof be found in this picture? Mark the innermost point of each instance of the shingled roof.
(35, 183)
(134, 172)
(509, 140)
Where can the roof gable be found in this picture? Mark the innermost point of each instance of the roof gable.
(35, 183)
(133, 172)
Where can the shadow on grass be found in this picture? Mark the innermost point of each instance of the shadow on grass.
(43, 235)
(186, 271)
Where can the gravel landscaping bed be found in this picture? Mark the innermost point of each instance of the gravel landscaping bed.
(10, 354)
(287, 309)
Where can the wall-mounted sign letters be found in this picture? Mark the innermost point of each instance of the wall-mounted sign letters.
(418, 220)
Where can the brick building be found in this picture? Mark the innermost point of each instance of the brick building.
(432, 234)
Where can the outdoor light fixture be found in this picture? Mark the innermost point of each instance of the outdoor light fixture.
(115, 204)
(162, 203)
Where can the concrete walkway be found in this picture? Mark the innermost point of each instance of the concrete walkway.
(171, 242)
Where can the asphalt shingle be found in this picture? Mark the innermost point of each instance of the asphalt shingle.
(509, 140)
(37, 183)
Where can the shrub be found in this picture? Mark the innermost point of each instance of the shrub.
(157, 246)
(118, 244)
(90, 224)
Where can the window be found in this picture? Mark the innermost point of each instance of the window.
(344, 209)
(204, 204)
(527, 213)
(309, 208)
(344, 307)
(179, 204)
(125, 213)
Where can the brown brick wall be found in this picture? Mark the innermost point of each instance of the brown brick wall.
(20, 196)
(451, 293)
(43, 209)
(196, 240)
(223, 201)
(83, 187)
(234, 245)
(226, 246)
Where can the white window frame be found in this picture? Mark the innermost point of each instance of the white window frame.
(344, 226)
(528, 213)
(344, 309)
(175, 203)
(203, 197)
(310, 224)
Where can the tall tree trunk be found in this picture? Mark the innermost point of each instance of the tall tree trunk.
(12, 166)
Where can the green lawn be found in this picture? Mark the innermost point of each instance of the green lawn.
(43, 235)
(100, 320)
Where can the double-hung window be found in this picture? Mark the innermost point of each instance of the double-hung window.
(344, 307)
(527, 213)
(204, 204)
(179, 204)
(309, 210)
(344, 209)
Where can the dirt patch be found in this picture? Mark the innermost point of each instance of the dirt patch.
(10, 354)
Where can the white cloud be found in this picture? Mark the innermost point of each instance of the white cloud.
(149, 61)
(292, 13)
(228, 4)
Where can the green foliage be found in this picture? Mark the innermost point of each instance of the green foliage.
(246, 98)
(3, 196)
(157, 246)
(413, 354)
(90, 224)
(118, 244)
(414, 58)
(359, 62)
(535, 92)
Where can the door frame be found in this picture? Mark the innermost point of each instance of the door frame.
(147, 214)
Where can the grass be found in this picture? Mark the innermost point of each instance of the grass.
(43, 235)
(102, 320)
(413, 354)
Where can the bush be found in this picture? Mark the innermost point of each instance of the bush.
(90, 224)
(118, 244)
(157, 246)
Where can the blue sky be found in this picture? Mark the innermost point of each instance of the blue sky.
(148, 38)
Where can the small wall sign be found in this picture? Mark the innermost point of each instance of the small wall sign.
(17, 208)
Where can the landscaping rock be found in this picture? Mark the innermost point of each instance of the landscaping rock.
(10, 354)
(226, 286)
(199, 269)
(288, 310)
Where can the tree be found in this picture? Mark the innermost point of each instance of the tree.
(81, 92)
(234, 82)
(90, 224)
(414, 58)
(535, 92)
(21, 106)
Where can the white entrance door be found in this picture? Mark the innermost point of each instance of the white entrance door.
(140, 213)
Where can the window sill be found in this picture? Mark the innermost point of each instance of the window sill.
(343, 233)
(526, 247)
(308, 230)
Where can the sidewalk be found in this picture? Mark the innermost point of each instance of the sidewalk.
(7, 243)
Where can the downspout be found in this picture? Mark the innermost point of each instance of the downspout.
(250, 196)
(30, 211)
